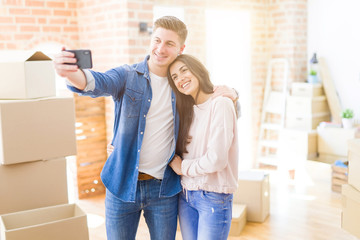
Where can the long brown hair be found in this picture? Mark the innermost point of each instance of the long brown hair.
(185, 103)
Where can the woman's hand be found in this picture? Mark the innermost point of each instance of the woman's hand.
(175, 164)
(109, 149)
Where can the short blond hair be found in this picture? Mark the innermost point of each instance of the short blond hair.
(174, 24)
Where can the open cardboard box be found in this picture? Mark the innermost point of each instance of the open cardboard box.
(26, 75)
(59, 222)
(37, 129)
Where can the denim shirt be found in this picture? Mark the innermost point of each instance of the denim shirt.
(131, 91)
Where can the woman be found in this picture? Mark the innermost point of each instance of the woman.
(206, 152)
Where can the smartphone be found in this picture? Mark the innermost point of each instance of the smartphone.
(83, 57)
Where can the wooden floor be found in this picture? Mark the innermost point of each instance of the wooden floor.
(301, 209)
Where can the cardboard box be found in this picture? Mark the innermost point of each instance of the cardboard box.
(306, 89)
(238, 221)
(354, 163)
(26, 75)
(36, 129)
(254, 191)
(334, 141)
(31, 185)
(306, 122)
(306, 105)
(350, 216)
(300, 143)
(56, 223)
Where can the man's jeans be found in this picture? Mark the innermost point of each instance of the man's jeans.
(205, 215)
(122, 218)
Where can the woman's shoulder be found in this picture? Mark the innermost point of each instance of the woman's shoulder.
(222, 101)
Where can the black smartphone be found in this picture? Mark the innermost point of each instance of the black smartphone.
(83, 57)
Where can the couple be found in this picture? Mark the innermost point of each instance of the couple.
(168, 123)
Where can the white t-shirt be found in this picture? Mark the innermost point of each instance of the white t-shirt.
(158, 142)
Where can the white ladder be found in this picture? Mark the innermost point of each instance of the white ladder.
(273, 114)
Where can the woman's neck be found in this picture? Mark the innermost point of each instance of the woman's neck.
(202, 97)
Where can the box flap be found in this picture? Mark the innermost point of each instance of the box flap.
(38, 56)
(22, 56)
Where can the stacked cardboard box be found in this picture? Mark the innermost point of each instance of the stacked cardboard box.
(350, 216)
(306, 107)
(37, 131)
(254, 192)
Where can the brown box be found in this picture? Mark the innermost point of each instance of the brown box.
(56, 223)
(354, 163)
(306, 89)
(31, 185)
(306, 105)
(334, 141)
(254, 191)
(37, 129)
(238, 221)
(26, 75)
(350, 216)
(308, 122)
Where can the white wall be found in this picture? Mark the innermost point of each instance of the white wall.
(228, 61)
(334, 34)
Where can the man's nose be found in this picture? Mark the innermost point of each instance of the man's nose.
(161, 47)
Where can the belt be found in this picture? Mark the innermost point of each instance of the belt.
(144, 176)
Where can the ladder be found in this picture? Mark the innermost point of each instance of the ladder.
(273, 112)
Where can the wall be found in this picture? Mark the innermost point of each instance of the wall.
(111, 30)
(334, 35)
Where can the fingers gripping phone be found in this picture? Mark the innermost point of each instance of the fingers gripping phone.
(83, 57)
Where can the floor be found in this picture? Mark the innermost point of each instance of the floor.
(303, 208)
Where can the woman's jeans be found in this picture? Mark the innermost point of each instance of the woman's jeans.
(122, 218)
(205, 215)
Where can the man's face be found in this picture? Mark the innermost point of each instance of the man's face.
(164, 48)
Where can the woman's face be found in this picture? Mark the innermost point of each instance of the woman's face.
(183, 79)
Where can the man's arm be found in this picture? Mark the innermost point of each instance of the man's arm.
(230, 93)
(71, 72)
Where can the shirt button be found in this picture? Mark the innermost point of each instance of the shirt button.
(148, 100)
(173, 99)
(139, 150)
(141, 133)
(144, 115)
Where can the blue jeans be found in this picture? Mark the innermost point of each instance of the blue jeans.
(122, 218)
(205, 215)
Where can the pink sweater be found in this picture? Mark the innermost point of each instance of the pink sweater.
(212, 161)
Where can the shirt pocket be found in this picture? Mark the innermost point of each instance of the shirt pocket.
(132, 102)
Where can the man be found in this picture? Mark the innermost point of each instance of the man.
(136, 175)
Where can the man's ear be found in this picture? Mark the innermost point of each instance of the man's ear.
(182, 49)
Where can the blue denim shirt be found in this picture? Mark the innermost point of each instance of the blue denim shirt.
(131, 91)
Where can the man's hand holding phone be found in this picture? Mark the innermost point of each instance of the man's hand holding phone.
(70, 61)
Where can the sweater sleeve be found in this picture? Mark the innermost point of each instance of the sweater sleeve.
(223, 119)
